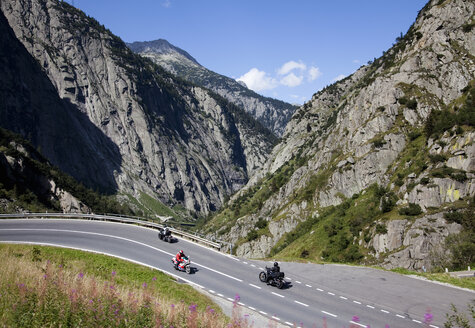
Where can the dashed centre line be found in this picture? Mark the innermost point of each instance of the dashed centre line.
(330, 293)
(277, 294)
(343, 298)
(298, 282)
(371, 307)
(330, 314)
(275, 318)
(230, 299)
(255, 286)
(262, 312)
(308, 286)
(301, 303)
(252, 308)
(356, 302)
(220, 295)
(320, 290)
(384, 311)
(358, 324)
(289, 323)
(400, 316)
(416, 321)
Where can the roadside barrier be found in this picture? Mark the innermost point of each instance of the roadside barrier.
(114, 218)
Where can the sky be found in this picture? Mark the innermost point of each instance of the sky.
(280, 48)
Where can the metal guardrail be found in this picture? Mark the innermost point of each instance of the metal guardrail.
(113, 218)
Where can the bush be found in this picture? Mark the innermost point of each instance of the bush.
(436, 158)
(411, 210)
(381, 229)
(252, 235)
(379, 142)
(261, 223)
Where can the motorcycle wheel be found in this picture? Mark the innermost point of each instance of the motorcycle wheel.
(279, 283)
(188, 269)
(262, 276)
(160, 236)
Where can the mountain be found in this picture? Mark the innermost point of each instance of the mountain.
(378, 168)
(116, 121)
(272, 113)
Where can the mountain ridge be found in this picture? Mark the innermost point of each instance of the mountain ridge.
(374, 168)
(174, 141)
(272, 113)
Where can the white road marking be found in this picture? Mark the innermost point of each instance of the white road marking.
(230, 299)
(253, 265)
(320, 290)
(298, 282)
(121, 238)
(242, 304)
(287, 277)
(252, 308)
(255, 286)
(278, 294)
(330, 293)
(416, 321)
(308, 286)
(330, 314)
(384, 311)
(433, 326)
(212, 291)
(301, 303)
(371, 307)
(261, 269)
(289, 323)
(358, 324)
(400, 316)
(356, 302)
(262, 312)
(275, 318)
(104, 253)
(244, 262)
(343, 298)
(220, 295)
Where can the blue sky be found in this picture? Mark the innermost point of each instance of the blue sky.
(283, 49)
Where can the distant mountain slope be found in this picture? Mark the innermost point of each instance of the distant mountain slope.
(114, 119)
(378, 167)
(272, 113)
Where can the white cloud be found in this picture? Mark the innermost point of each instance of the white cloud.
(314, 73)
(290, 66)
(291, 80)
(167, 3)
(356, 61)
(258, 80)
(339, 77)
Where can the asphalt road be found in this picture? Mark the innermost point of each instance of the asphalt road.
(344, 295)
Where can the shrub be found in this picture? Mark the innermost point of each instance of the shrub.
(381, 229)
(379, 142)
(436, 158)
(252, 235)
(261, 223)
(411, 210)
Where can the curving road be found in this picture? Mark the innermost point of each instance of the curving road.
(335, 292)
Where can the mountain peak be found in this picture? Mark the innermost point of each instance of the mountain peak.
(160, 46)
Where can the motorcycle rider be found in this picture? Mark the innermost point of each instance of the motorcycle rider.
(273, 272)
(179, 257)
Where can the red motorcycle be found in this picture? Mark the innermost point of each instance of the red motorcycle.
(182, 266)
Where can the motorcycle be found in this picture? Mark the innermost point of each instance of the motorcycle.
(275, 279)
(182, 266)
(166, 235)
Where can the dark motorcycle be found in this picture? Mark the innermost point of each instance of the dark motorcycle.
(273, 278)
(166, 235)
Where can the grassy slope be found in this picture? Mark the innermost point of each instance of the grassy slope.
(102, 269)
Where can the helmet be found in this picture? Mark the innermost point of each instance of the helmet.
(181, 252)
(276, 264)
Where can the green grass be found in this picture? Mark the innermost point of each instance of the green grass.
(55, 287)
(468, 282)
(155, 206)
(101, 266)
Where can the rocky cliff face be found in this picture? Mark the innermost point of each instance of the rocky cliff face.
(387, 125)
(119, 121)
(273, 114)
